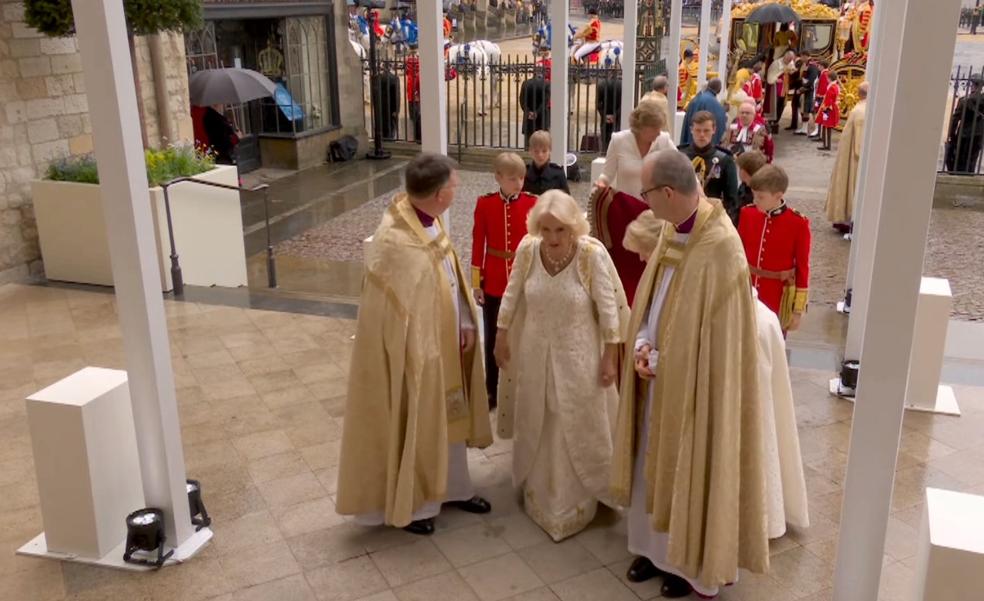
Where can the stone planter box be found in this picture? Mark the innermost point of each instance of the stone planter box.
(208, 232)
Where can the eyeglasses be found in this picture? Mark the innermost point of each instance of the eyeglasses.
(653, 189)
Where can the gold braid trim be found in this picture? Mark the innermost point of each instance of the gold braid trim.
(800, 300)
(476, 277)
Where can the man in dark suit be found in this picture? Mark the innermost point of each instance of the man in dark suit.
(534, 99)
(608, 101)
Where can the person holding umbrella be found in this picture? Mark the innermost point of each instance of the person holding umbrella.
(223, 137)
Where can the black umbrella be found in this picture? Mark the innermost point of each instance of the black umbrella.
(228, 86)
(772, 13)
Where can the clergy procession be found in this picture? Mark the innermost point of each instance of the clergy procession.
(634, 353)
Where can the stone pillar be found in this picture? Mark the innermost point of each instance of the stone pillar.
(923, 33)
(433, 98)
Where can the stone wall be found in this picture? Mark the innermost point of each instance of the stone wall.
(44, 117)
(351, 110)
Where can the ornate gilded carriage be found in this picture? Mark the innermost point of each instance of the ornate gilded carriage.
(839, 40)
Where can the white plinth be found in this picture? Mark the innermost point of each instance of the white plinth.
(85, 456)
(597, 166)
(678, 126)
(950, 562)
(923, 391)
(946, 400)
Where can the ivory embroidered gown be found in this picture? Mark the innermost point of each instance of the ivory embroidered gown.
(563, 418)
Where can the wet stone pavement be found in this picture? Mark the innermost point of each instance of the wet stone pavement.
(325, 214)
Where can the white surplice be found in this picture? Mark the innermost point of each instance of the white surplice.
(643, 539)
(459, 479)
(785, 481)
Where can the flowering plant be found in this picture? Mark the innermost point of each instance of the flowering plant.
(175, 160)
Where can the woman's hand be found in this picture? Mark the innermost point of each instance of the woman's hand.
(608, 367)
(501, 352)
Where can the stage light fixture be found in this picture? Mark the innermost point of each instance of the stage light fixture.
(145, 534)
(199, 517)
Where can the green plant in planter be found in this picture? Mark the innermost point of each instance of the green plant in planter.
(143, 17)
(162, 166)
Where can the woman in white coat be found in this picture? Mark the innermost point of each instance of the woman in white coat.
(562, 319)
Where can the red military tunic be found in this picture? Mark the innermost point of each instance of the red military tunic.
(594, 33)
(499, 227)
(829, 113)
(777, 246)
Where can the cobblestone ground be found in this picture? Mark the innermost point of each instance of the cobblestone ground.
(954, 251)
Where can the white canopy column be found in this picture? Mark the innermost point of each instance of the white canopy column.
(866, 212)
(629, 43)
(102, 39)
(917, 44)
(559, 90)
(705, 38)
(725, 45)
(433, 98)
(673, 63)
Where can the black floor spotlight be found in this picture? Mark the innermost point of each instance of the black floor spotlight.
(145, 534)
(199, 517)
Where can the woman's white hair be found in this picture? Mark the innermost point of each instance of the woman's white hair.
(564, 208)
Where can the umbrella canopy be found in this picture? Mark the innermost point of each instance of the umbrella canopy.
(228, 86)
(772, 13)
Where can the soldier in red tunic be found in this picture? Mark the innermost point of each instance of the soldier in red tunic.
(500, 224)
(777, 245)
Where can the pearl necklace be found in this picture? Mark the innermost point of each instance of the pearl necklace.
(557, 266)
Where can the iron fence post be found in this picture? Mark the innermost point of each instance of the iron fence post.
(177, 281)
(271, 262)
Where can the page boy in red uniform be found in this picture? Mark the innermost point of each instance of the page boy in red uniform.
(776, 238)
(500, 224)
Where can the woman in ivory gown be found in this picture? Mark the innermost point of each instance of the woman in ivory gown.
(562, 318)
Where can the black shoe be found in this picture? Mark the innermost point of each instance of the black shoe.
(475, 504)
(674, 587)
(422, 527)
(642, 570)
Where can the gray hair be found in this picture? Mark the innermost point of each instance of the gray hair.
(669, 168)
(714, 85)
(863, 90)
(661, 84)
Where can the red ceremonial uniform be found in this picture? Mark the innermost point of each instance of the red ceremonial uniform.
(499, 227)
(829, 113)
(753, 87)
(777, 246)
(412, 69)
(594, 34)
(822, 83)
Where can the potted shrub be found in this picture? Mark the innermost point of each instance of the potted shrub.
(208, 225)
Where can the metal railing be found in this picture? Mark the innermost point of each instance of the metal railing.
(177, 280)
(484, 105)
(965, 123)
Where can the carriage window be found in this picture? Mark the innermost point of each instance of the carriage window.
(816, 37)
(750, 35)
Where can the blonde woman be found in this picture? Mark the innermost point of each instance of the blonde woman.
(615, 200)
(646, 134)
(562, 319)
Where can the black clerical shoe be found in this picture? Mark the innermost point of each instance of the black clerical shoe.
(475, 504)
(674, 587)
(423, 527)
(642, 570)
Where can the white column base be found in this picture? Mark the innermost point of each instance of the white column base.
(946, 400)
(37, 547)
